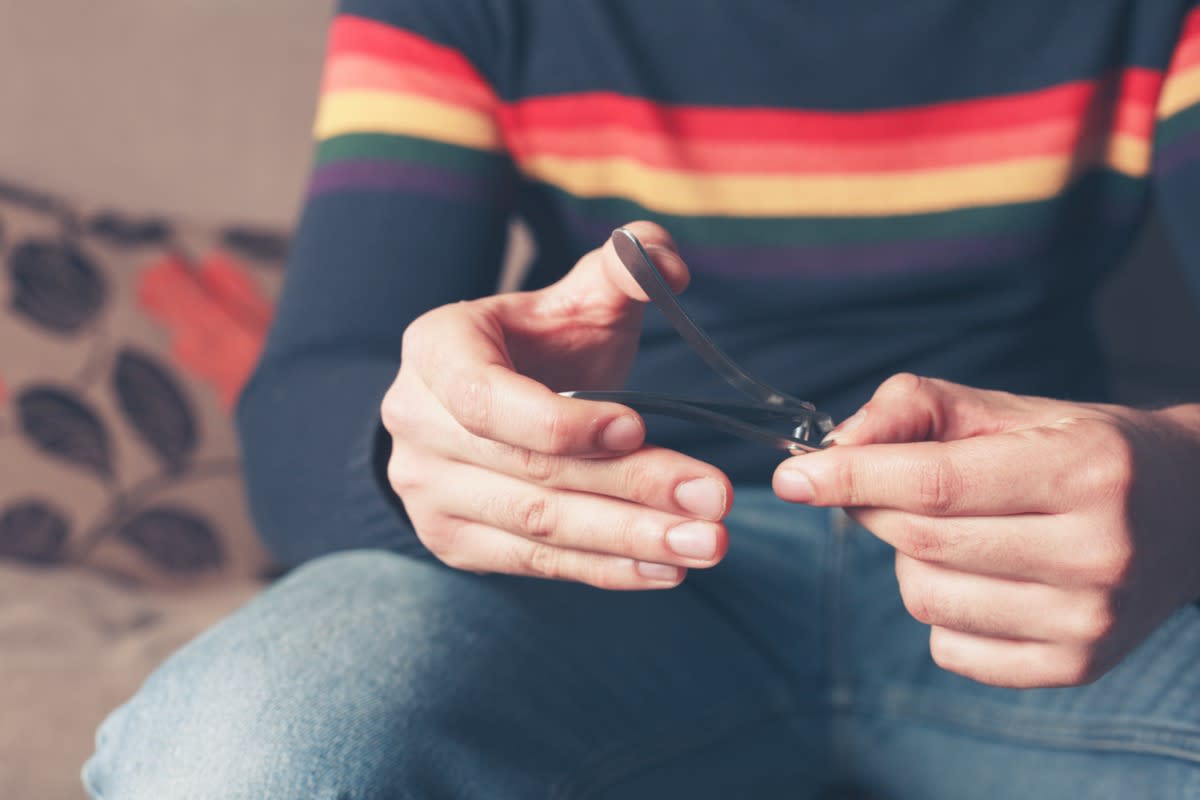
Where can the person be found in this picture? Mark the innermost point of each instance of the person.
(979, 591)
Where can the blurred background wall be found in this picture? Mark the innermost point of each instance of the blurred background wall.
(183, 107)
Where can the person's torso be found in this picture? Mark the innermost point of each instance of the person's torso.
(859, 188)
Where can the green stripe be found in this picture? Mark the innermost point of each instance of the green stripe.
(388, 147)
(1177, 126)
(816, 231)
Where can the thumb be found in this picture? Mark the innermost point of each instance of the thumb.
(600, 283)
(908, 408)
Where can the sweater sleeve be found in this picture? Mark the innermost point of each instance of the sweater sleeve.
(1177, 148)
(407, 210)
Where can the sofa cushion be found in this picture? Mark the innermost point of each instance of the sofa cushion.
(125, 343)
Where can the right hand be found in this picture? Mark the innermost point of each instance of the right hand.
(500, 474)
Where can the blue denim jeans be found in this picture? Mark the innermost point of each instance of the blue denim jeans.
(791, 670)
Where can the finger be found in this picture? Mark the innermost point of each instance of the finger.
(650, 476)
(474, 383)
(601, 275)
(481, 548)
(1013, 664)
(1023, 471)
(576, 521)
(909, 408)
(1027, 547)
(999, 608)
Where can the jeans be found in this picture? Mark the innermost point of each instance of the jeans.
(790, 670)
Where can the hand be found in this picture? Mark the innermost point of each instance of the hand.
(1041, 540)
(498, 473)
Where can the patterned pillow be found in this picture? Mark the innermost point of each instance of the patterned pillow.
(123, 345)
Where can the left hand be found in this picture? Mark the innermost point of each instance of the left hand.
(1041, 540)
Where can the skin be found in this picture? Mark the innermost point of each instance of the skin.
(1041, 541)
(498, 473)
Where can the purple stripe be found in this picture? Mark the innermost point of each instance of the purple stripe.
(833, 261)
(368, 175)
(1178, 154)
(842, 260)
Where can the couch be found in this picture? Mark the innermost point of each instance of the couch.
(151, 163)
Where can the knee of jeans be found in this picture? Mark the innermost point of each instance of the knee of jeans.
(309, 691)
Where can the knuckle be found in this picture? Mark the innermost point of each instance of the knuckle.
(469, 401)
(456, 560)
(1081, 667)
(605, 574)
(402, 474)
(413, 338)
(1095, 620)
(391, 410)
(1107, 468)
(535, 516)
(922, 543)
(943, 651)
(847, 483)
(544, 561)
(920, 602)
(537, 467)
(900, 387)
(434, 531)
(556, 431)
(1109, 565)
(640, 480)
(939, 486)
(629, 533)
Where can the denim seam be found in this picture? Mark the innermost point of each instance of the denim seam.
(637, 756)
(1031, 727)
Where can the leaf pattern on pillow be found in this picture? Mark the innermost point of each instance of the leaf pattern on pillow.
(117, 229)
(61, 424)
(55, 285)
(130, 326)
(35, 531)
(156, 407)
(175, 539)
(255, 243)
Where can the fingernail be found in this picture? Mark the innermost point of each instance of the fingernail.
(846, 427)
(794, 485)
(703, 497)
(623, 433)
(693, 540)
(658, 572)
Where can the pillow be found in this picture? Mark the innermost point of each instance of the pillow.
(124, 342)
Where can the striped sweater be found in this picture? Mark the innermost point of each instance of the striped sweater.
(859, 188)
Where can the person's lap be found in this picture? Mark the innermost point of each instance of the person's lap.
(789, 669)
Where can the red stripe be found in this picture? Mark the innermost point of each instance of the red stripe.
(1137, 87)
(351, 34)
(1187, 52)
(1054, 138)
(354, 72)
(1191, 26)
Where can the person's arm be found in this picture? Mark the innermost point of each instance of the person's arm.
(1041, 541)
(1177, 150)
(407, 211)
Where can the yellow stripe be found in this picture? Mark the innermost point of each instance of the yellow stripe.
(1179, 93)
(1128, 154)
(409, 115)
(923, 191)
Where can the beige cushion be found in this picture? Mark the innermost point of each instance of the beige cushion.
(74, 646)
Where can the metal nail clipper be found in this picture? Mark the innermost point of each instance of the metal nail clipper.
(773, 417)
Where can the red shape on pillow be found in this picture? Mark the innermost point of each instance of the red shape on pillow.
(216, 316)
